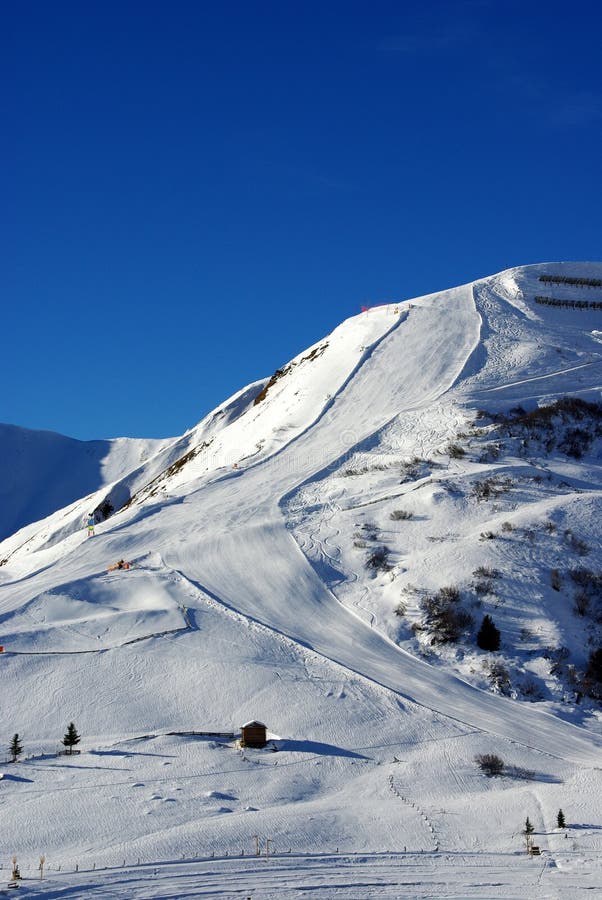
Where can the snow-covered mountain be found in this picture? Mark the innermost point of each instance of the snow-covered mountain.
(319, 553)
(41, 471)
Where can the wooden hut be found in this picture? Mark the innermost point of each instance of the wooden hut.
(254, 734)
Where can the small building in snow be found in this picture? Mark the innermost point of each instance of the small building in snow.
(254, 734)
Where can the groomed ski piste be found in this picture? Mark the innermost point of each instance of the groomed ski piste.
(249, 598)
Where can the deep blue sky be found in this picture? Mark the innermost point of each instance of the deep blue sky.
(194, 192)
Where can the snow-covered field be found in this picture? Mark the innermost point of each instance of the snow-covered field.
(251, 595)
(422, 876)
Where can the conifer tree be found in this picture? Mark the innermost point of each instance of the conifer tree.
(560, 819)
(594, 666)
(16, 748)
(71, 738)
(528, 831)
(488, 637)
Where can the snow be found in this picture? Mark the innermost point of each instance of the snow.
(249, 600)
(65, 470)
(358, 877)
(101, 611)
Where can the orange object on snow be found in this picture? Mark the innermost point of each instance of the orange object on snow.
(122, 564)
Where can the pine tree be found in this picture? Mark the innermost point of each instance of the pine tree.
(594, 666)
(488, 637)
(560, 819)
(16, 748)
(71, 738)
(528, 831)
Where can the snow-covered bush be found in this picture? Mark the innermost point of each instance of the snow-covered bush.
(444, 616)
(400, 514)
(576, 544)
(378, 560)
(483, 587)
(415, 468)
(490, 763)
(491, 488)
(581, 603)
(531, 689)
(486, 572)
(456, 451)
(498, 675)
(555, 579)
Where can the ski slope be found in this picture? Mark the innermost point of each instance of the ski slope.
(292, 598)
(241, 603)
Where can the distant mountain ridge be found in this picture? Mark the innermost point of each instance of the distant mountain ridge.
(42, 471)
